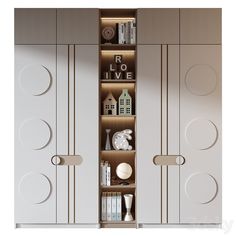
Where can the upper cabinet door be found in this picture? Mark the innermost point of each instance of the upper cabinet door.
(35, 26)
(158, 26)
(200, 26)
(77, 26)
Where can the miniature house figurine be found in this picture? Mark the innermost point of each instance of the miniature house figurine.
(125, 103)
(110, 105)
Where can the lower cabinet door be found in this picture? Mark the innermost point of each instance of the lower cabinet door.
(35, 134)
(179, 114)
(200, 134)
(77, 131)
(148, 133)
(56, 113)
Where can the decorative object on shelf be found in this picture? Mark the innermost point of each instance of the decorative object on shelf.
(105, 172)
(108, 144)
(124, 171)
(107, 75)
(118, 70)
(127, 32)
(128, 204)
(111, 206)
(120, 140)
(125, 103)
(108, 33)
(110, 105)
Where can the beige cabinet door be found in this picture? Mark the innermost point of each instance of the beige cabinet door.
(200, 26)
(158, 26)
(148, 134)
(77, 26)
(35, 26)
(35, 134)
(200, 134)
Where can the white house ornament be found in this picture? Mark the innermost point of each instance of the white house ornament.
(110, 105)
(120, 140)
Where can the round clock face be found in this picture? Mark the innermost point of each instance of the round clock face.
(108, 33)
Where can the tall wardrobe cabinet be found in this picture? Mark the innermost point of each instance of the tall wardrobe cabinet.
(174, 65)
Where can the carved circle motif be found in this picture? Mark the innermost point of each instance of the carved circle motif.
(201, 134)
(34, 188)
(35, 134)
(201, 188)
(35, 79)
(201, 80)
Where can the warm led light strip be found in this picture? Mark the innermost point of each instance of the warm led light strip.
(117, 18)
(131, 52)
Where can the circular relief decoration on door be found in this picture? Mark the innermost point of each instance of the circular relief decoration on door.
(201, 134)
(201, 188)
(34, 188)
(35, 134)
(35, 79)
(201, 80)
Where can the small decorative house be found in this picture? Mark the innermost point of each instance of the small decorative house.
(110, 105)
(125, 103)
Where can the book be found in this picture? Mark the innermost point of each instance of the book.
(113, 207)
(118, 206)
(108, 206)
(104, 207)
(108, 174)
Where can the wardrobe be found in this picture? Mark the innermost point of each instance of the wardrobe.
(60, 125)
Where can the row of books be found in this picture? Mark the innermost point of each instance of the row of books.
(111, 206)
(105, 172)
(127, 32)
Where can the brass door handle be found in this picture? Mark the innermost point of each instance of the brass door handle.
(166, 160)
(69, 160)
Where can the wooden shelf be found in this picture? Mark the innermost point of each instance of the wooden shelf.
(116, 186)
(117, 116)
(118, 80)
(118, 224)
(118, 46)
(117, 151)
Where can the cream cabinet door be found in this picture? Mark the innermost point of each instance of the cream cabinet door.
(35, 134)
(148, 134)
(200, 134)
(179, 114)
(77, 131)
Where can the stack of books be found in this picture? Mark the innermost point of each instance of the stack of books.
(105, 171)
(127, 32)
(111, 206)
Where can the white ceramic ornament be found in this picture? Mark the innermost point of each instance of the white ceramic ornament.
(120, 140)
(124, 170)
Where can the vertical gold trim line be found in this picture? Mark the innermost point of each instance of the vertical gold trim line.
(68, 151)
(74, 129)
(161, 131)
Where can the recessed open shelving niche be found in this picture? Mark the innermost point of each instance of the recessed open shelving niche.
(111, 17)
(110, 69)
(116, 90)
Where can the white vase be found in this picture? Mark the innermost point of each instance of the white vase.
(128, 204)
(108, 144)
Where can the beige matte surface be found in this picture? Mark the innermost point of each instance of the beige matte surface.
(35, 26)
(77, 26)
(158, 26)
(200, 26)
